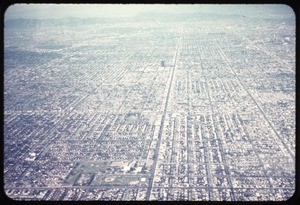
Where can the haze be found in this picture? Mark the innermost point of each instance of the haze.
(44, 11)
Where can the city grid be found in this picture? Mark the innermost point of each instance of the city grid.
(150, 110)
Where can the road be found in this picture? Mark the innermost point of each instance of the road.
(162, 125)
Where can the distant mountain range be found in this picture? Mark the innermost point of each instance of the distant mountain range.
(143, 17)
(31, 23)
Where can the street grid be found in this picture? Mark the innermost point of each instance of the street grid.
(101, 119)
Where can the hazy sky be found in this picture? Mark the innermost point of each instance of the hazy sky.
(41, 11)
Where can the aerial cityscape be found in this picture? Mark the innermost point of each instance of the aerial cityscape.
(167, 106)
